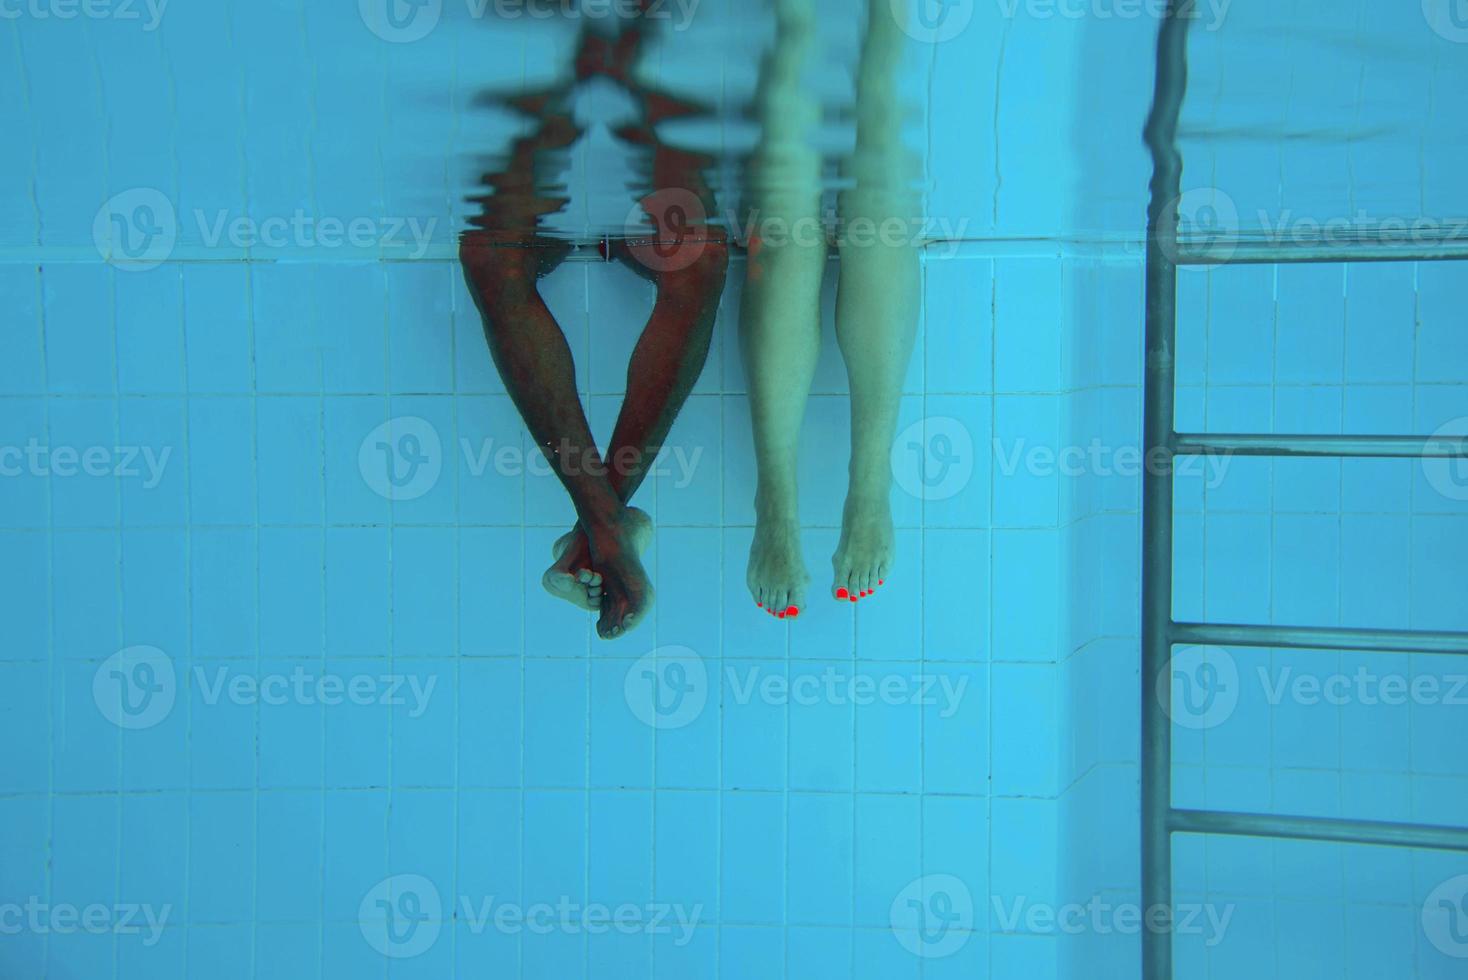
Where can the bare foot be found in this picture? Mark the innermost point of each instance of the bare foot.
(571, 577)
(867, 549)
(626, 590)
(777, 577)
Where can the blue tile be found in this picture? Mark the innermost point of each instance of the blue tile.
(420, 837)
(818, 953)
(84, 587)
(754, 733)
(420, 696)
(221, 858)
(419, 298)
(1312, 320)
(21, 349)
(1026, 590)
(821, 725)
(956, 729)
(491, 461)
(1024, 864)
(291, 599)
(890, 701)
(488, 853)
(1381, 317)
(1026, 461)
(221, 461)
(24, 488)
(490, 619)
(1241, 326)
(358, 606)
(685, 953)
(222, 726)
(689, 471)
(153, 466)
(282, 948)
(687, 839)
(946, 461)
(223, 589)
(955, 630)
(1027, 325)
(887, 855)
(423, 590)
(1442, 350)
(354, 859)
(23, 591)
(353, 345)
(291, 823)
(820, 860)
(1026, 706)
(25, 725)
(218, 328)
(79, 334)
(555, 846)
(620, 849)
(753, 876)
(555, 723)
(490, 733)
(150, 334)
(621, 744)
(82, 462)
(293, 696)
(958, 324)
(290, 456)
(751, 952)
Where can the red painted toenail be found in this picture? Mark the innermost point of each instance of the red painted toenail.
(853, 598)
(792, 611)
(879, 581)
(760, 604)
(841, 593)
(780, 615)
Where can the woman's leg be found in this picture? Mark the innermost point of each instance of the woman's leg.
(877, 304)
(780, 325)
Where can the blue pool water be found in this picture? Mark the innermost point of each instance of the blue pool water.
(281, 694)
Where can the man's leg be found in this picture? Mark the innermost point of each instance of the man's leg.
(502, 260)
(687, 260)
(877, 305)
(780, 323)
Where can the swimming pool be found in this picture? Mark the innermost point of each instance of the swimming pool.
(282, 695)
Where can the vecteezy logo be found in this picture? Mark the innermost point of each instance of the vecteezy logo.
(933, 459)
(401, 916)
(1445, 917)
(136, 230)
(679, 224)
(1448, 18)
(933, 916)
(932, 21)
(402, 458)
(667, 688)
(136, 687)
(1449, 475)
(400, 21)
(1203, 684)
(1205, 219)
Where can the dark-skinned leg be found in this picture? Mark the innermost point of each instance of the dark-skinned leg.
(688, 261)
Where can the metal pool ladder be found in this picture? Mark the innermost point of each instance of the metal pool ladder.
(1160, 632)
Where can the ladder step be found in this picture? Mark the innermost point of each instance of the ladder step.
(1438, 241)
(1318, 638)
(1362, 447)
(1319, 829)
